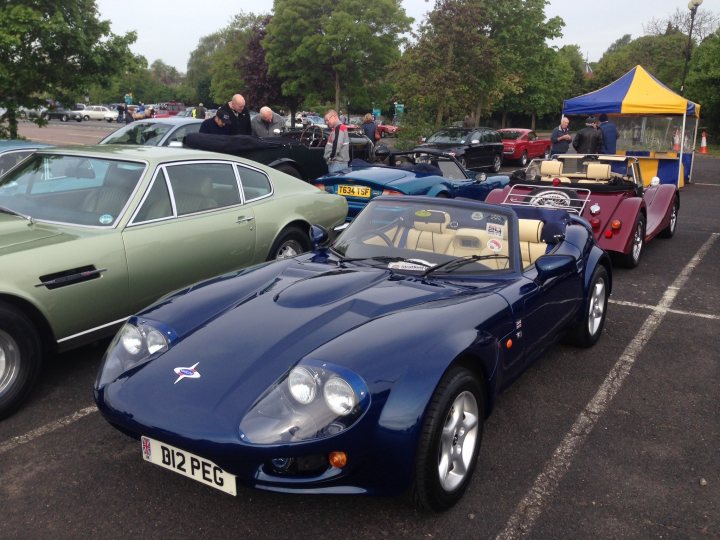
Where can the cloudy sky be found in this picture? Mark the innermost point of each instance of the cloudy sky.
(170, 29)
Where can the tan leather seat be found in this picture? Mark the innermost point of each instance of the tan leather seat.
(531, 244)
(430, 232)
(551, 169)
(597, 171)
(467, 242)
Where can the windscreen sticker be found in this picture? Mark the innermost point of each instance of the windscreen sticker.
(105, 219)
(493, 229)
(494, 245)
(477, 216)
(419, 266)
(423, 213)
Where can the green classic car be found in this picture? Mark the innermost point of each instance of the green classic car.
(90, 235)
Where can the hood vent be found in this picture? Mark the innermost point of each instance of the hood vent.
(69, 277)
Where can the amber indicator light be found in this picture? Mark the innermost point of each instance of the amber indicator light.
(338, 459)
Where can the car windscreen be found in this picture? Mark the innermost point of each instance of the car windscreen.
(139, 133)
(449, 136)
(79, 190)
(417, 236)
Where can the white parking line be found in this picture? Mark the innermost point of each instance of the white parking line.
(531, 506)
(657, 308)
(47, 428)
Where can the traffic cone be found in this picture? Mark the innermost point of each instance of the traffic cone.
(676, 141)
(703, 143)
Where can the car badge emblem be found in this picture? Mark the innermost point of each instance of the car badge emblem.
(186, 373)
(595, 209)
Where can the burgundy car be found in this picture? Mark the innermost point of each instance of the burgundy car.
(523, 144)
(607, 191)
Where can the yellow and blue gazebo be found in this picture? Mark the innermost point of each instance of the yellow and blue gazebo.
(653, 121)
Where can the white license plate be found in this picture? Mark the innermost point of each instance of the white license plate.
(182, 462)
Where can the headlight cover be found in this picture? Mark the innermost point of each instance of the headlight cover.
(138, 341)
(314, 400)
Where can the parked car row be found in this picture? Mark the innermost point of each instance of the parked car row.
(281, 349)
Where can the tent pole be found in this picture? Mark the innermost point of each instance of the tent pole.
(682, 148)
(692, 159)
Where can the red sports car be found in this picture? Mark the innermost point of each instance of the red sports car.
(388, 130)
(607, 191)
(523, 144)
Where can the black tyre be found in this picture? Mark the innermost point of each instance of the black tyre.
(632, 258)
(523, 159)
(449, 441)
(291, 242)
(588, 331)
(669, 231)
(86, 117)
(497, 163)
(288, 169)
(64, 118)
(20, 358)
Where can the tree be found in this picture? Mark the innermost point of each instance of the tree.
(454, 68)
(663, 56)
(706, 22)
(333, 46)
(226, 62)
(198, 79)
(704, 80)
(56, 50)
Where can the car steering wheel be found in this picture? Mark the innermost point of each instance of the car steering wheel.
(311, 136)
(379, 234)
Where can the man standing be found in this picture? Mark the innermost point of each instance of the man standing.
(589, 139)
(239, 116)
(200, 112)
(266, 123)
(610, 135)
(337, 149)
(218, 124)
(561, 137)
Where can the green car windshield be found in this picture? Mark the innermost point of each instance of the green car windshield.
(70, 189)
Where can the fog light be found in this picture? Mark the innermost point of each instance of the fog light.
(281, 464)
(338, 459)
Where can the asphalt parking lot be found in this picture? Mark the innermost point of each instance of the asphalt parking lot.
(617, 441)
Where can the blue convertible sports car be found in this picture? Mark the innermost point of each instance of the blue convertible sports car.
(367, 366)
(432, 172)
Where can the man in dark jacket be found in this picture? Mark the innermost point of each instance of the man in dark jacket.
(610, 135)
(239, 116)
(218, 124)
(589, 139)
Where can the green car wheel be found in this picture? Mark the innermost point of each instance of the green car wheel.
(20, 358)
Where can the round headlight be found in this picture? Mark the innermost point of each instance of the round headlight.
(302, 385)
(155, 341)
(131, 339)
(339, 396)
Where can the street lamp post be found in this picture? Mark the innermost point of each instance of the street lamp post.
(693, 5)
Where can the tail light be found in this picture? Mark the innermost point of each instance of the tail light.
(556, 182)
(608, 233)
(595, 223)
(390, 192)
(321, 187)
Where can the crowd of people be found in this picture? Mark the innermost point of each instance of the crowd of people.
(233, 118)
(599, 136)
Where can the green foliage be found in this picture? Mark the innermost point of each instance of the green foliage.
(663, 56)
(58, 50)
(333, 47)
(703, 82)
(226, 62)
(471, 55)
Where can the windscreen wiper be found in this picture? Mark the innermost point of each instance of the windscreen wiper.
(453, 264)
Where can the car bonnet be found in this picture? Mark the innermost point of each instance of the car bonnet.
(256, 338)
(17, 233)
